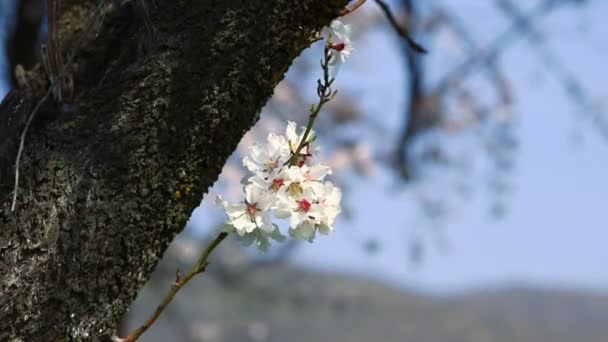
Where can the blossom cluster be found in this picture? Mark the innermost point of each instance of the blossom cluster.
(286, 186)
(287, 181)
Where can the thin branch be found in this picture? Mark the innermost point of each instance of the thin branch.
(325, 94)
(199, 267)
(572, 86)
(494, 73)
(352, 8)
(417, 116)
(494, 48)
(22, 143)
(54, 82)
(403, 32)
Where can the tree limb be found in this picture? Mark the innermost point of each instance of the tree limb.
(106, 187)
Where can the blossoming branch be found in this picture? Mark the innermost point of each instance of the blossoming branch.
(287, 181)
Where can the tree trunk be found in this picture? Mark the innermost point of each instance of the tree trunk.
(105, 187)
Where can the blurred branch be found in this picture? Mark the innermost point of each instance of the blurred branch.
(402, 31)
(423, 111)
(416, 114)
(498, 45)
(572, 86)
(494, 72)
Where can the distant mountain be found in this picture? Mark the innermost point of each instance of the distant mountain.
(285, 304)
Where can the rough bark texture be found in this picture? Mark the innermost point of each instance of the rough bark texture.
(105, 188)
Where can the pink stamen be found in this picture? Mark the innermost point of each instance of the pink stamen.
(277, 184)
(304, 205)
(251, 209)
(304, 156)
(338, 46)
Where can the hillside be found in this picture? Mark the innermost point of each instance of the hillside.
(294, 305)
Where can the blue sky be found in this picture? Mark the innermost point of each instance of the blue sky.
(5, 12)
(556, 227)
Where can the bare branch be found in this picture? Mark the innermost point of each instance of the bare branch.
(22, 143)
(198, 268)
(403, 32)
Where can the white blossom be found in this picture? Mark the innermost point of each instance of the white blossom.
(310, 149)
(250, 214)
(287, 179)
(315, 210)
(328, 199)
(267, 159)
(339, 45)
(296, 191)
(296, 179)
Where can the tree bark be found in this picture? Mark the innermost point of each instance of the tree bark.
(106, 186)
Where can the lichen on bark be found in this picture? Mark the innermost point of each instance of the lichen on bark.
(106, 187)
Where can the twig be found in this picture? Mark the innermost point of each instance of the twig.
(325, 94)
(352, 8)
(199, 267)
(22, 143)
(403, 32)
(572, 86)
(493, 49)
(43, 99)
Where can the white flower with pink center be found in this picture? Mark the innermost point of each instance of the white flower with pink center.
(315, 211)
(310, 149)
(328, 198)
(250, 214)
(297, 192)
(339, 45)
(268, 159)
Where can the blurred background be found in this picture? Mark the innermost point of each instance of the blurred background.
(474, 181)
